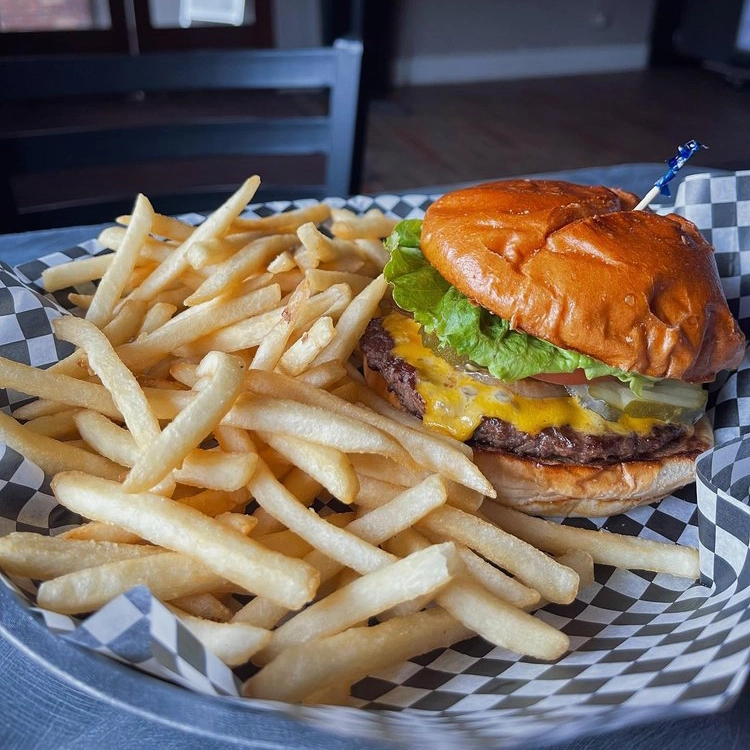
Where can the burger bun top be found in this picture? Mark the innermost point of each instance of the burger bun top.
(575, 266)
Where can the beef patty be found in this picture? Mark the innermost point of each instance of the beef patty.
(554, 444)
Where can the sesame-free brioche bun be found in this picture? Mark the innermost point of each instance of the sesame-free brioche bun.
(575, 266)
(549, 489)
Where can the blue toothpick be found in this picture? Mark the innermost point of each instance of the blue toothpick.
(675, 164)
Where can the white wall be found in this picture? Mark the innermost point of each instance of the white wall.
(297, 23)
(444, 41)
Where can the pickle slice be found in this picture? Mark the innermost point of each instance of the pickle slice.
(599, 406)
(664, 400)
(662, 412)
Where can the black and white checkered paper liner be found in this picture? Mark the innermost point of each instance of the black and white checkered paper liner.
(643, 645)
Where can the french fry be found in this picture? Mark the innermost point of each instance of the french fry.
(580, 561)
(302, 486)
(328, 466)
(215, 502)
(555, 582)
(62, 389)
(403, 511)
(491, 578)
(218, 249)
(316, 247)
(322, 376)
(373, 251)
(463, 497)
(106, 438)
(321, 279)
(298, 357)
(215, 225)
(272, 347)
(345, 263)
(349, 656)
(191, 425)
(250, 333)
(353, 321)
(500, 623)
(357, 392)
(375, 492)
(282, 263)
(628, 552)
(313, 423)
(234, 440)
(239, 521)
(338, 544)
(53, 456)
(216, 470)
(154, 381)
(287, 280)
(169, 575)
(233, 642)
(337, 694)
(244, 263)
(577, 560)
(285, 541)
(151, 249)
(80, 300)
(377, 466)
(101, 532)
(60, 425)
(117, 379)
(137, 275)
(76, 272)
(167, 403)
(194, 323)
(169, 524)
(372, 224)
(206, 606)
(494, 619)
(421, 573)
(125, 322)
(159, 314)
(115, 278)
(184, 372)
(374, 527)
(164, 226)
(288, 221)
(44, 557)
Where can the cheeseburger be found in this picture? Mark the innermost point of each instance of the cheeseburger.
(561, 334)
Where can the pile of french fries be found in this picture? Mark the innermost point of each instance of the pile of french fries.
(213, 399)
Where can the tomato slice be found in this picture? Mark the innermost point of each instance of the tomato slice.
(577, 377)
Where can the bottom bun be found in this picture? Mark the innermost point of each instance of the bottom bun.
(556, 489)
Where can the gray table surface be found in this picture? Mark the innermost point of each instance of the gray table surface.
(56, 695)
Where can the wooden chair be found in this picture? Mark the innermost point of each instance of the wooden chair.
(81, 135)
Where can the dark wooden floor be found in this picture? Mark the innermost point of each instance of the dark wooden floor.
(445, 134)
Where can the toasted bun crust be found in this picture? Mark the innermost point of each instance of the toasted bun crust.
(572, 265)
(579, 490)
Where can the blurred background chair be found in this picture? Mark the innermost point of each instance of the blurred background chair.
(81, 135)
(516, 88)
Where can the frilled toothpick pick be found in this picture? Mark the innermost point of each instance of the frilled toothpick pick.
(676, 163)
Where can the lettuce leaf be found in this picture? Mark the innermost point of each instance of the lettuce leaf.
(471, 331)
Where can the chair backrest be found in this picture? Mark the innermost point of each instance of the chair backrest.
(89, 119)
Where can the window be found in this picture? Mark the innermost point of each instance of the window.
(39, 27)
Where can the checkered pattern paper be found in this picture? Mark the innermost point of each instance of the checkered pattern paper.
(643, 646)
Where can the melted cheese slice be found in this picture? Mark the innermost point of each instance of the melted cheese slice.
(455, 402)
